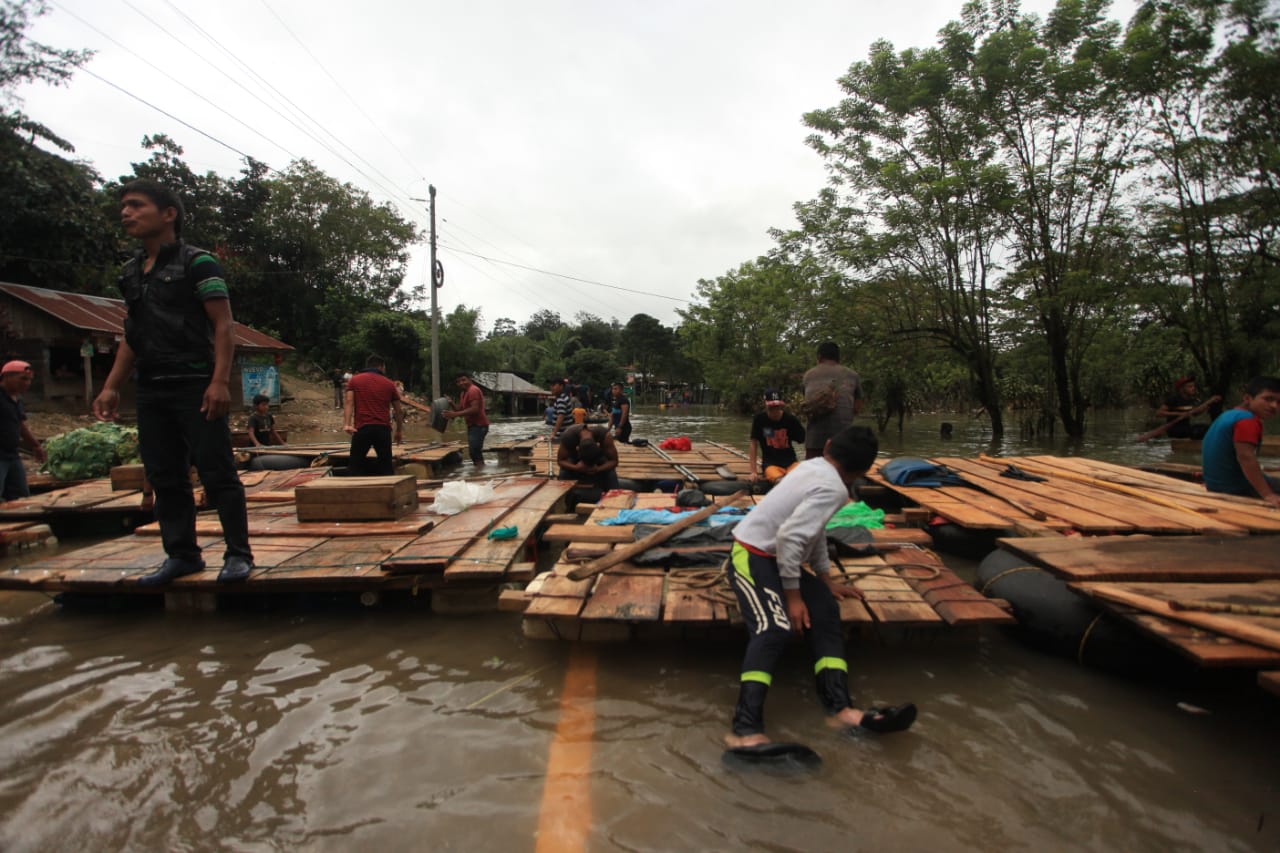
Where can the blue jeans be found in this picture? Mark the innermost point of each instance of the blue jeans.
(13, 477)
(475, 443)
(172, 435)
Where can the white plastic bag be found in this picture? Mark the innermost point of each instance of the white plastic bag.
(457, 495)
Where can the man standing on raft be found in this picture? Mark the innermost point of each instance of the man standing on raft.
(776, 595)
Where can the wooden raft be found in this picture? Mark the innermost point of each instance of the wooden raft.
(292, 556)
(1086, 496)
(897, 591)
(433, 455)
(1137, 576)
(704, 463)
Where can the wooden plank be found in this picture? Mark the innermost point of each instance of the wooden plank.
(627, 594)
(621, 533)
(489, 558)
(682, 604)
(1143, 558)
(1154, 598)
(954, 600)
(336, 560)
(1205, 648)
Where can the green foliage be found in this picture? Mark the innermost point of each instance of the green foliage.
(24, 60)
(91, 451)
(595, 367)
(397, 337)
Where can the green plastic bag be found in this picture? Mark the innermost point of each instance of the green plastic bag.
(503, 532)
(91, 451)
(857, 515)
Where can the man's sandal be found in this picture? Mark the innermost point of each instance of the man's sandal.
(895, 718)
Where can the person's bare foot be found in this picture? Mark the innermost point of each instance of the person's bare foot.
(737, 741)
(846, 718)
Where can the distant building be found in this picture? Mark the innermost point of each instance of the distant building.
(518, 396)
(70, 340)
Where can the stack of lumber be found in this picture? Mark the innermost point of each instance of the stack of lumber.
(1214, 599)
(1085, 496)
(905, 587)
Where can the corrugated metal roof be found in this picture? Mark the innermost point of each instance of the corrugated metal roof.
(100, 314)
(506, 383)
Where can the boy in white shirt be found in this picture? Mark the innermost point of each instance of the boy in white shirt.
(777, 596)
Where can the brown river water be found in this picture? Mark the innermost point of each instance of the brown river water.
(321, 724)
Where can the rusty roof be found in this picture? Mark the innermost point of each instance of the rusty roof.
(100, 314)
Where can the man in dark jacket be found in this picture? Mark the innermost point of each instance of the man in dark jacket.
(179, 339)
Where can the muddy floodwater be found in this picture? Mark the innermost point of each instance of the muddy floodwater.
(321, 724)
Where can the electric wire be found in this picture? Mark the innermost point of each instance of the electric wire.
(175, 80)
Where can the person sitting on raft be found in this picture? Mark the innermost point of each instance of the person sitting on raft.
(1185, 403)
(262, 424)
(1229, 452)
(772, 432)
(776, 596)
(588, 453)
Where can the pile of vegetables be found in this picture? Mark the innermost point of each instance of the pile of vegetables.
(91, 451)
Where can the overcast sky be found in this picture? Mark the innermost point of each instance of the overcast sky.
(641, 146)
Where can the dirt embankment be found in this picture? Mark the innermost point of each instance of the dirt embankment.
(307, 408)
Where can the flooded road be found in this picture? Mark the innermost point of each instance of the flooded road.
(319, 724)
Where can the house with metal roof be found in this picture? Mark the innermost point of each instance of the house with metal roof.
(70, 340)
(518, 396)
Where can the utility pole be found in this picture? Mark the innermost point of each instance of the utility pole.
(435, 315)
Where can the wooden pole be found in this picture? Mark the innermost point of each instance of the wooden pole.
(621, 555)
(1160, 430)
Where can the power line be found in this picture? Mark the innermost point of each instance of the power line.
(572, 277)
(170, 77)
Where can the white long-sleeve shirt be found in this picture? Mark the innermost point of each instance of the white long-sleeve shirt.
(791, 521)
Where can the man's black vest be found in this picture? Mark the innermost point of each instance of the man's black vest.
(167, 327)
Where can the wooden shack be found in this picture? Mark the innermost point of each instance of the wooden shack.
(70, 340)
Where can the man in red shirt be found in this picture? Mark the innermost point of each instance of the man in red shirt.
(471, 408)
(366, 414)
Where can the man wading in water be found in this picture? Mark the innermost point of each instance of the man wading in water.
(777, 596)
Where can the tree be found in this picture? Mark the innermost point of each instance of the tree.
(24, 60)
(50, 234)
(642, 343)
(460, 348)
(595, 333)
(1053, 95)
(397, 337)
(741, 336)
(917, 201)
(541, 323)
(595, 367)
(332, 252)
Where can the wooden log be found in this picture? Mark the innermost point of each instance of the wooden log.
(662, 534)
(1240, 629)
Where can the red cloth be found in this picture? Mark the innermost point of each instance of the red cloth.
(473, 396)
(680, 442)
(374, 393)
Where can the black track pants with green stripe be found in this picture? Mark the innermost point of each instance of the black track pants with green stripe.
(758, 586)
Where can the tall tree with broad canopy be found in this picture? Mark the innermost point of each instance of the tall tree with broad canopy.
(918, 196)
(1053, 94)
